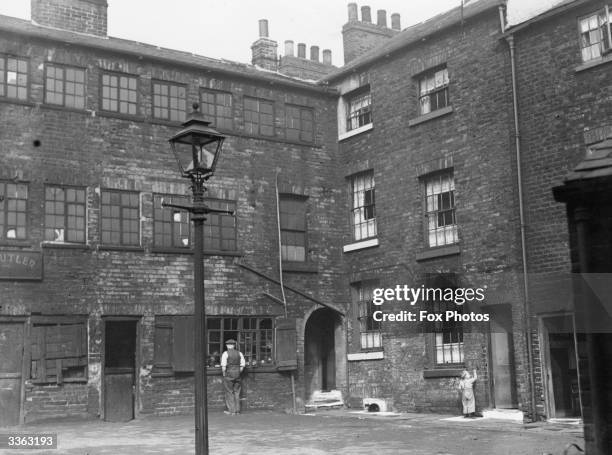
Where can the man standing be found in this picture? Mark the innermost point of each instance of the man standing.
(232, 364)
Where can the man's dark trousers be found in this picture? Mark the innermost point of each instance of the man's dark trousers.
(231, 382)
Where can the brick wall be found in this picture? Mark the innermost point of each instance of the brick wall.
(84, 16)
(53, 401)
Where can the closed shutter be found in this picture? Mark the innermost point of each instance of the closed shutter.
(286, 344)
(182, 352)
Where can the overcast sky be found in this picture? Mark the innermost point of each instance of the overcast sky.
(227, 28)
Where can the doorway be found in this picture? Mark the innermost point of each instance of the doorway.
(119, 369)
(501, 340)
(11, 371)
(320, 351)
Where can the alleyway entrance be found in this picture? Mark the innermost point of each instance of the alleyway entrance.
(320, 351)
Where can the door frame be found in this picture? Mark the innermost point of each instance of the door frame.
(113, 318)
(25, 359)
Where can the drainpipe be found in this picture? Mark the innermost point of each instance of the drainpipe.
(517, 146)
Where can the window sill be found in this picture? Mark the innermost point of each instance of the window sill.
(303, 267)
(368, 355)
(438, 252)
(443, 373)
(120, 248)
(355, 132)
(17, 101)
(16, 243)
(57, 107)
(66, 246)
(160, 250)
(594, 63)
(118, 115)
(363, 244)
(430, 116)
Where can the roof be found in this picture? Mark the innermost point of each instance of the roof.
(416, 33)
(521, 14)
(26, 28)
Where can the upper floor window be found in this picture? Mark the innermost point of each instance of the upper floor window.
(119, 93)
(65, 86)
(363, 208)
(258, 117)
(293, 228)
(171, 226)
(220, 228)
(595, 35)
(14, 77)
(13, 210)
(440, 209)
(217, 108)
(370, 329)
(65, 210)
(120, 218)
(433, 91)
(359, 110)
(299, 123)
(169, 101)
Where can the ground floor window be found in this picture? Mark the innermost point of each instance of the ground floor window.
(448, 335)
(254, 336)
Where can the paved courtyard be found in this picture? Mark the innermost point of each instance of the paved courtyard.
(330, 432)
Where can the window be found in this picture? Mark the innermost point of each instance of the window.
(359, 110)
(13, 207)
(171, 226)
(363, 209)
(299, 123)
(253, 334)
(59, 351)
(440, 209)
(14, 77)
(65, 86)
(595, 36)
(120, 218)
(65, 214)
(369, 329)
(169, 101)
(258, 117)
(119, 93)
(220, 228)
(433, 91)
(293, 228)
(217, 108)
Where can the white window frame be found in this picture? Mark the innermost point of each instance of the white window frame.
(595, 35)
(363, 206)
(433, 85)
(441, 225)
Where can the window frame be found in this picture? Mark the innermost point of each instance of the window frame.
(260, 101)
(66, 214)
(182, 114)
(605, 37)
(121, 219)
(5, 212)
(157, 222)
(4, 82)
(369, 330)
(118, 100)
(220, 204)
(302, 134)
(428, 94)
(64, 67)
(363, 115)
(362, 208)
(289, 197)
(228, 121)
(427, 213)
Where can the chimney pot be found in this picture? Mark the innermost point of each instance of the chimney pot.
(365, 14)
(263, 28)
(382, 18)
(301, 50)
(314, 53)
(289, 48)
(327, 57)
(352, 12)
(395, 21)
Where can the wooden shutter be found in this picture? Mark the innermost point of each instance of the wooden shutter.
(286, 344)
(183, 344)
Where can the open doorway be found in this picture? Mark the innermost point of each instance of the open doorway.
(320, 346)
(501, 350)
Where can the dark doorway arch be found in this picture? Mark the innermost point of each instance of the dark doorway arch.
(320, 350)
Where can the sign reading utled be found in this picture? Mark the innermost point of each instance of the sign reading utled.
(20, 265)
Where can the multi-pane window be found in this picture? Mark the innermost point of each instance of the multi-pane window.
(171, 226)
(595, 35)
(217, 108)
(433, 91)
(258, 117)
(13, 210)
(119, 93)
(363, 208)
(440, 209)
(299, 123)
(120, 218)
(293, 228)
(65, 86)
(254, 336)
(448, 334)
(169, 101)
(359, 112)
(65, 214)
(14, 77)
(370, 334)
(220, 228)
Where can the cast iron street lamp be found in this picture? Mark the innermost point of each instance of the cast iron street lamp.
(197, 148)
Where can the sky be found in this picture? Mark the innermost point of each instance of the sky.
(225, 29)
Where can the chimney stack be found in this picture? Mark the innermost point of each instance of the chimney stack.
(91, 18)
(327, 57)
(263, 28)
(289, 48)
(365, 14)
(382, 18)
(352, 12)
(314, 53)
(395, 21)
(301, 50)
(264, 50)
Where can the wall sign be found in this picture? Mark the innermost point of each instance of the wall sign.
(21, 265)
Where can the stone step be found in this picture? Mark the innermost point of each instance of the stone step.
(513, 415)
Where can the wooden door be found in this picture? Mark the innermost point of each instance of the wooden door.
(11, 364)
(119, 370)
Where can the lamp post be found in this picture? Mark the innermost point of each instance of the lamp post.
(196, 148)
